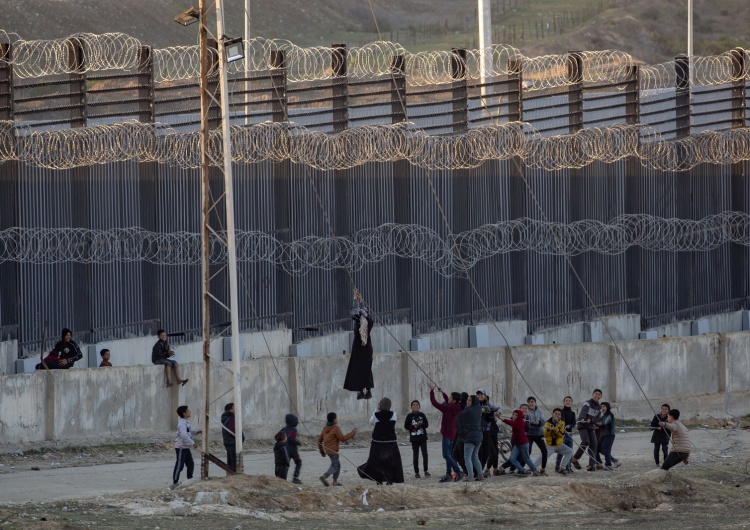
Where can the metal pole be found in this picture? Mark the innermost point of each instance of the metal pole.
(205, 209)
(231, 245)
(484, 13)
(690, 39)
(247, 63)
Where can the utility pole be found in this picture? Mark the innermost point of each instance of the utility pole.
(205, 236)
(231, 243)
(207, 207)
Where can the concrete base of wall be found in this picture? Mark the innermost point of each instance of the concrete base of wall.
(707, 375)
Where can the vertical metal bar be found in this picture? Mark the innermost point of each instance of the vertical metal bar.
(633, 192)
(740, 255)
(460, 93)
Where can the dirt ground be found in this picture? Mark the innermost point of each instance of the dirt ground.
(713, 491)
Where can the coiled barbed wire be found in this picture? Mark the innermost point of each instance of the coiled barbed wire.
(37, 58)
(279, 141)
(446, 256)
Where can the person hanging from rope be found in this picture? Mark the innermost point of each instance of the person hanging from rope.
(680, 440)
(590, 414)
(64, 355)
(359, 372)
(384, 462)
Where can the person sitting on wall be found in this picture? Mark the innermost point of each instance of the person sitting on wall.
(64, 355)
(161, 353)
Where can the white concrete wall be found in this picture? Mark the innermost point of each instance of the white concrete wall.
(8, 356)
(721, 323)
(691, 373)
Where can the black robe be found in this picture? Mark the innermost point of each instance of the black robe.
(359, 371)
(62, 350)
(384, 462)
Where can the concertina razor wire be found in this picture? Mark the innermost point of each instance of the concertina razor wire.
(119, 51)
(280, 141)
(449, 257)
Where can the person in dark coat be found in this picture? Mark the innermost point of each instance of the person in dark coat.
(228, 436)
(384, 461)
(281, 458)
(64, 355)
(660, 437)
(162, 354)
(469, 428)
(416, 424)
(359, 372)
(293, 445)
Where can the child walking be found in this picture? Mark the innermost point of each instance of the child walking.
(416, 423)
(328, 445)
(183, 442)
(281, 458)
(293, 444)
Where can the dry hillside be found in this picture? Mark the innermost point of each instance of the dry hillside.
(653, 31)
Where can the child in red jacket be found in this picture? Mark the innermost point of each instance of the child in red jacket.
(520, 443)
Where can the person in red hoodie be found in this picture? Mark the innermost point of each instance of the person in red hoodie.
(520, 443)
(450, 409)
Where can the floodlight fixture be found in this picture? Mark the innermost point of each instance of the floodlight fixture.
(190, 16)
(234, 49)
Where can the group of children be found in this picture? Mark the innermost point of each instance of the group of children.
(469, 433)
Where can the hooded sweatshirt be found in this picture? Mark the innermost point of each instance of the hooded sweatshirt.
(291, 435)
(416, 423)
(535, 415)
(227, 420)
(330, 436)
(450, 414)
(469, 424)
(518, 436)
(591, 410)
(680, 439)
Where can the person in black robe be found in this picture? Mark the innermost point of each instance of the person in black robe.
(384, 462)
(359, 372)
(64, 355)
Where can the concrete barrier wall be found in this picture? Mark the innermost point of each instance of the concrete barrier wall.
(691, 373)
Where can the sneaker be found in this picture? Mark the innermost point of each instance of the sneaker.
(557, 469)
(296, 480)
(486, 474)
(542, 471)
(175, 485)
(564, 472)
(360, 395)
(446, 478)
(591, 468)
(616, 463)
(184, 381)
(459, 477)
(479, 479)
(575, 463)
(417, 475)
(599, 467)
(496, 472)
(535, 473)
(368, 394)
(609, 468)
(336, 483)
(427, 474)
(324, 480)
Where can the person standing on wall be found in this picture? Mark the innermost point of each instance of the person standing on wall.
(161, 353)
(359, 372)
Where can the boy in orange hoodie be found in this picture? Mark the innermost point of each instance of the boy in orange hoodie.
(328, 445)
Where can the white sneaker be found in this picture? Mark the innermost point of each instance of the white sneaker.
(175, 485)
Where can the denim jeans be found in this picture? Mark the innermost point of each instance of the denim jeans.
(567, 440)
(335, 467)
(450, 464)
(471, 458)
(521, 451)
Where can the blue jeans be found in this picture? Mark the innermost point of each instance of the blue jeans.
(605, 448)
(523, 452)
(471, 459)
(567, 440)
(450, 464)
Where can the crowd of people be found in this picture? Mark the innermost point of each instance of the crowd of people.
(470, 427)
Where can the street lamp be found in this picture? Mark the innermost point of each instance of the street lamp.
(190, 16)
(234, 49)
